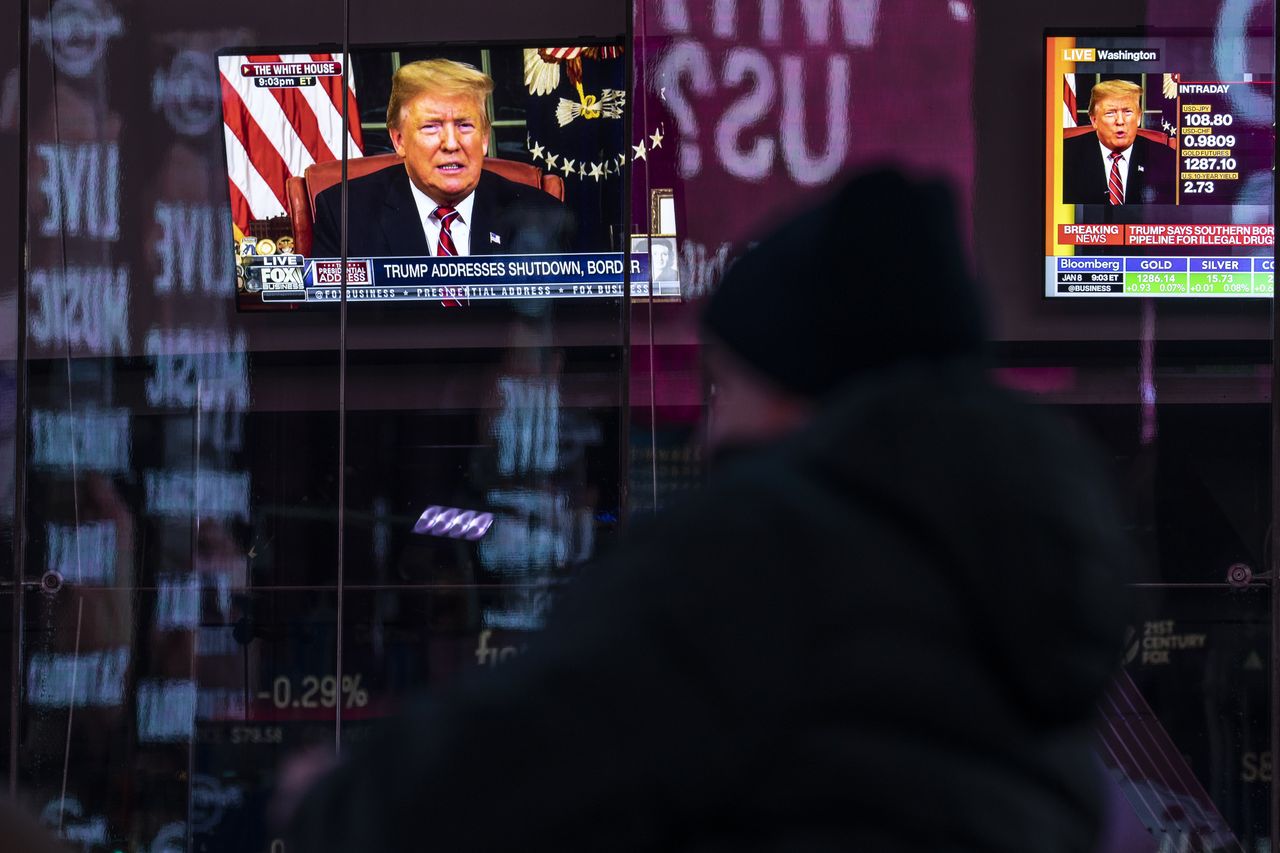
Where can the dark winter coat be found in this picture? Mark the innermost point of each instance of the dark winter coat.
(887, 633)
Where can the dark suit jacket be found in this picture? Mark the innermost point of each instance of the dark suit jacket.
(383, 221)
(1152, 172)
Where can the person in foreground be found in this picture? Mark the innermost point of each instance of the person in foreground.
(882, 626)
(441, 201)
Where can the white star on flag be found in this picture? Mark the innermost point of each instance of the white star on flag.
(536, 151)
(568, 167)
(596, 172)
(551, 160)
(640, 153)
(656, 138)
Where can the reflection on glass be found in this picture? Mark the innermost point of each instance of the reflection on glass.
(57, 680)
(83, 554)
(166, 711)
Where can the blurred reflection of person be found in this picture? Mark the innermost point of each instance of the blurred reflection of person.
(884, 625)
(443, 202)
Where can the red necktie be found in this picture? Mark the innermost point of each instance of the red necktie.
(445, 216)
(1114, 185)
(444, 246)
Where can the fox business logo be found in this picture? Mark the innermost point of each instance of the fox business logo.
(276, 272)
(288, 278)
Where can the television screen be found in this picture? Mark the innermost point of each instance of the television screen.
(474, 173)
(1160, 157)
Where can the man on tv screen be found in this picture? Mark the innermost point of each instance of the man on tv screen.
(1115, 165)
(442, 202)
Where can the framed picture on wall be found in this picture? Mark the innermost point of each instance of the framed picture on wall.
(664, 266)
(662, 211)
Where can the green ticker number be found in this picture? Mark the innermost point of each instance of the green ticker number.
(1222, 282)
(1155, 282)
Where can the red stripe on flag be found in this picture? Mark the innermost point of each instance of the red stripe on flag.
(1069, 98)
(353, 122)
(303, 119)
(333, 87)
(240, 213)
(262, 154)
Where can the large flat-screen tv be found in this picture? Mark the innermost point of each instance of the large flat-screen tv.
(475, 173)
(1159, 164)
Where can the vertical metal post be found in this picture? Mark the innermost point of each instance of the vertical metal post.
(339, 614)
(631, 54)
(20, 407)
(1274, 584)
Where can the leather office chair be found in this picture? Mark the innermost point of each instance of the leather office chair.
(301, 191)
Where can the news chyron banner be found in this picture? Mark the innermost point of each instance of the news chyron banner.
(293, 278)
(1160, 157)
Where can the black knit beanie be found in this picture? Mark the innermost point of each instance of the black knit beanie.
(874, 276)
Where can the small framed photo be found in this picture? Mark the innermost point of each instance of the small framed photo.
(664, 262)
(662, 211)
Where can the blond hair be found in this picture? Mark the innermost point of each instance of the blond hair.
(439, 77)
(1114, 89)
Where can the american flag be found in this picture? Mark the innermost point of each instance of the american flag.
(272, 134)
(1068, 100)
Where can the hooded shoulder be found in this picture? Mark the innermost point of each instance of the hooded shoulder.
(1005, 510)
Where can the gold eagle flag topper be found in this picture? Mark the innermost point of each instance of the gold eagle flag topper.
(542, 76)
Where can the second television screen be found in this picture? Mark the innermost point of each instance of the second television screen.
(1160, 165)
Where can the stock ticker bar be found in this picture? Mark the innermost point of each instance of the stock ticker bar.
(1165, 276)
(293, 278)
(1215, 153)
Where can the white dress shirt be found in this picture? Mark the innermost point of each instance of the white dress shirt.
(460, 230)
(1106, 163)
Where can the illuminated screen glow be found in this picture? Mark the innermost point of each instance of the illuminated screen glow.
(1165, 187)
